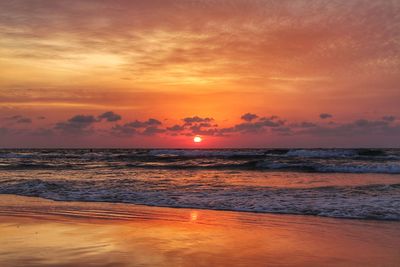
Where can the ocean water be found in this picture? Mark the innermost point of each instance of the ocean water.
(342, 183)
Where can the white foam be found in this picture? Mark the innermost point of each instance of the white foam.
(393, 168)
(339, 167)
(320, 153)
(15, 156)
(203, 153)
(380, 201)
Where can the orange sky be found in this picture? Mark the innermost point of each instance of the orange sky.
(170, 60)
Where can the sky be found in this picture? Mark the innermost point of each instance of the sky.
(238, 73)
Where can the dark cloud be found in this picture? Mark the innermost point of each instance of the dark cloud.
(249, 116)
(306, 124)
(273, 125)
(203, 125)
(176, 128)
(19, 119)
(143, 124)
(389, 118)
(82, 123)
(152, 131)
(13, 118)
(364, 123)
(24, 120)
(199, 126)
(272, 121)
(123, 130)
(110, 116)
(325, 116)
(196, 119)
(41, 117)
(148, 127)
(360, 127)
(77, 124)
(260, 125)
(82, 119)
(204, 129)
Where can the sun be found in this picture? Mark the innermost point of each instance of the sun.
(197, 139)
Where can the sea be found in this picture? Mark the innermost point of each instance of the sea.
(341, 183)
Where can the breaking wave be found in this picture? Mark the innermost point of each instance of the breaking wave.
(303, 160)
(378, 201)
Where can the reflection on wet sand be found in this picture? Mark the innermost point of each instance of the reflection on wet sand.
(36, 232)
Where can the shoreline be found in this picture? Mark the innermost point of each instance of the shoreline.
(204, 209)
(117, 234)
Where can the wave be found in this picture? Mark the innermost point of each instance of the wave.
(37, 166)
(384, 168)
(256, 153)
(388, 168)
(377, 201)
(177, 153)
(297, 160)
(240, 165)
(163, 154)
(15, 155)
(321, 153)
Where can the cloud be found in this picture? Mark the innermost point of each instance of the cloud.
(110, 116)
(389, 118)
(19, 119)
(152, 131)
(204, 129)
(24, 120)
(304, 124)
(176, 128)
(259, 127)
(77, 124)
(148, 127)
(325, 116)
(82, 123)
(83, 119)
(196, 119)
(195, 126)
(142, 124)
(254, 126)
(249, 117)
(123, 130)
(360, 127)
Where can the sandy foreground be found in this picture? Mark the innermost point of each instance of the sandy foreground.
(38, 232)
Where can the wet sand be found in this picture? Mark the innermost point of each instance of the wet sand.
(38, 232)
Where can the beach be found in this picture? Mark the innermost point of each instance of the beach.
(39, 232)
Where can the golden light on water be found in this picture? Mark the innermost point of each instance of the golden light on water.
(193, 216)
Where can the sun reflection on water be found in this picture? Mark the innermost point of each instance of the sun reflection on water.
(194, 216)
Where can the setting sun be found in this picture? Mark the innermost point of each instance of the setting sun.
(197, 139)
